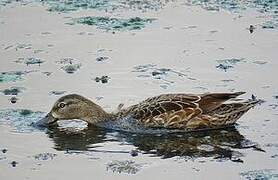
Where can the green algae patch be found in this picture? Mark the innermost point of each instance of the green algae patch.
(11, 76)
(12, 90)
(260, 174)
(45, 156)
(115, 24)
(74, 5)
(21, 120)
(103, 5)
(226, 64)
(263, 6)
(128, 167)
(71, 68)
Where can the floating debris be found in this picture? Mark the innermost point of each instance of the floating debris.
(47, 73)
(14, 163)
(102, 58)
(66, 61)
(162, 71)
(12, 91)
(227, 80)
(102, 79)
(71, 68)
(232, 61)
(115, 24)
(253, 97)
(144, 68)
(224, 67)
(23, 46)
(237, 160)
(45, 156)
(260, 62)
(134, 153)
(57, 93)
(226, 64)
(129, 167)
(260, 174)
(8, 47)
(32, 60)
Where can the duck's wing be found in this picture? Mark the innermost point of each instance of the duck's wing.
(175, 110)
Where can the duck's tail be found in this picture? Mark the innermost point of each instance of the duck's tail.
(229, 113)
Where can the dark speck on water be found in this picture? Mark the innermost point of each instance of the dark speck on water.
(102, 58)
(134, 153)
(13, 100)
(253, 97)
(237, 160)
(102, 79)
(47, 73)
(14, 163)
(4, 150)
(57, 93)
(251, 29)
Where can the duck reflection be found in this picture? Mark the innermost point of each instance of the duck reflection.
(218, 144)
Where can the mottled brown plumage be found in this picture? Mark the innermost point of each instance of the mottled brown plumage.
(172, 111)
(187, 111)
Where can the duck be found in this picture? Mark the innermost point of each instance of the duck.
(163, 113)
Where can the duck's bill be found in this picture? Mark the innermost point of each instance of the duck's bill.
(48, 120)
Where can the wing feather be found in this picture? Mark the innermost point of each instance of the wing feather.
(178, 110)
(169, 110)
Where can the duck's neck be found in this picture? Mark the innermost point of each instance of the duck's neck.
(96, 115)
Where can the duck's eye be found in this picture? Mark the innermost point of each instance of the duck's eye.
(61, 105)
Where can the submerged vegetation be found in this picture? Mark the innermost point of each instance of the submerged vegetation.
(108, 23)
(12, 76)
(129, 167)
(21, 119)
(263, 6)
(226, 64)
(12, 91)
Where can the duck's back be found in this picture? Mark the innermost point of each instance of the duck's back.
(181, 112)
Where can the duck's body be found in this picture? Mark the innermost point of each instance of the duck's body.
(163, 113)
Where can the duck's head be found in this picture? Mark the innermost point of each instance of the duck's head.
(73, 106)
